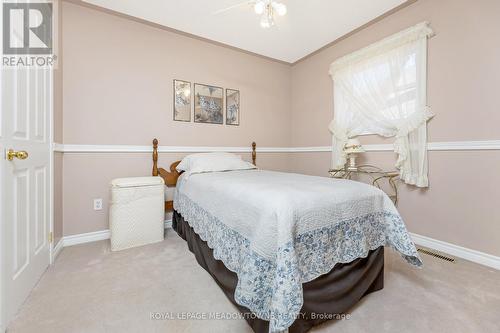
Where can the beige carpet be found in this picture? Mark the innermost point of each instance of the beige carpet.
(90, 289)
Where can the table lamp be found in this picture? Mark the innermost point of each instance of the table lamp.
(351, 148)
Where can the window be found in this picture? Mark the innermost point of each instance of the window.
(381, 89)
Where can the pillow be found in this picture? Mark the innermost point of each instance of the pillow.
(212, 162)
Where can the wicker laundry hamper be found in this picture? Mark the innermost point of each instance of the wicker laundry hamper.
(137, 213)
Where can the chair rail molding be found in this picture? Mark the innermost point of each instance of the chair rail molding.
(431, 146)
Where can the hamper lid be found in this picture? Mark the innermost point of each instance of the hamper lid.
(137, 181)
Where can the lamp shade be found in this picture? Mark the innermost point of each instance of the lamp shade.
(353, 146)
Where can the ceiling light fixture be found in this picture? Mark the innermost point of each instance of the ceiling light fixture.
(267, 8)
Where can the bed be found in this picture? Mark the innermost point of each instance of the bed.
(290, 251)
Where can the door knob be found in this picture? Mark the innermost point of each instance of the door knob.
(22, 155)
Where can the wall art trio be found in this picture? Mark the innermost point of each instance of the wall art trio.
(209, 103)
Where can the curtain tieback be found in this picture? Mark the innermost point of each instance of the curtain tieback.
(414, 122)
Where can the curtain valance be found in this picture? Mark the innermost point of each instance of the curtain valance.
(412, 34)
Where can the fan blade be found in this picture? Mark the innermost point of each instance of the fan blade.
(220, 11)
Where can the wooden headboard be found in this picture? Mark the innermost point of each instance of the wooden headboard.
(170, 177)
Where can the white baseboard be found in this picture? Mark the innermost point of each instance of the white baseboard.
(452, 249)
(91, 237)
(57, 249)
(457, 251)
(86, 238)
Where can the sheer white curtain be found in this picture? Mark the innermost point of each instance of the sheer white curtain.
(381, 89)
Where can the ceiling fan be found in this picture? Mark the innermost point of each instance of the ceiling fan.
(266, 8)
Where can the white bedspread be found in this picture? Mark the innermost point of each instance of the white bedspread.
(279, 230)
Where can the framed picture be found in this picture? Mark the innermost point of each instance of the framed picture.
(208, 104)
(182, 100)
(232, 107)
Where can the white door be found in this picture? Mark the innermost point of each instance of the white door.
(26, 105)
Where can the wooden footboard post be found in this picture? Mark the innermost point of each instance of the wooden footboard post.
(155, 157)
(254, 153)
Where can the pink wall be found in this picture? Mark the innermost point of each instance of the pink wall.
(86, 176)
(118, 90)
(463, 82)
(462, 72)
(118, 77)
(58, 131)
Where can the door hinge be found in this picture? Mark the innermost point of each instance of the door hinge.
(51, 237)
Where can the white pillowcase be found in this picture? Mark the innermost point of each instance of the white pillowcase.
(212, 162)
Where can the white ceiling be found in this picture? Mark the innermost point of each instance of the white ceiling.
(308, 25)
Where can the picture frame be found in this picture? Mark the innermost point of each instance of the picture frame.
(208, 104)
(232, 107)
(182, 100)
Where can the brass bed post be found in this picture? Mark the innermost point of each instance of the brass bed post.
(254, 153)
(155, 157)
